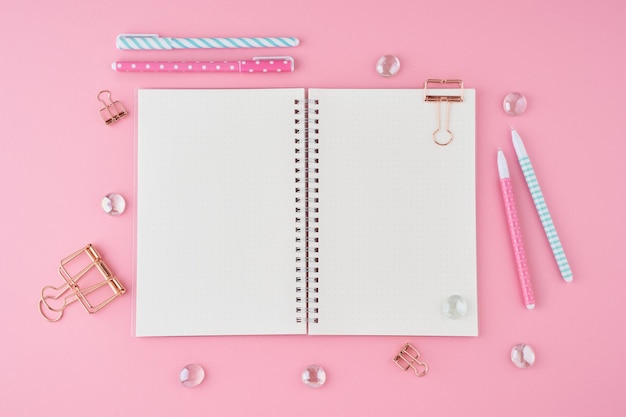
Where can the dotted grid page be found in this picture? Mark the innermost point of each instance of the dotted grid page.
(215, 222)
(397, 220)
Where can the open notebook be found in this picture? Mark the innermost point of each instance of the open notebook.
(293, 211)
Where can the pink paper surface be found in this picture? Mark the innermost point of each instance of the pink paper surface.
(58, 159)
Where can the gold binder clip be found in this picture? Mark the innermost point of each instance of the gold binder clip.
(112, 110)
(409, 358)
(93, 276)
(448, 99)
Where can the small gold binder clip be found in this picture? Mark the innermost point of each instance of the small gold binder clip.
(446, 98)
(409, 358)
(86, 279)
(112, 110)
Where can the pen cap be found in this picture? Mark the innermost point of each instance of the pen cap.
(503, 168)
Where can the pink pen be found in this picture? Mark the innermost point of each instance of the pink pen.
(515, 231)
(254, 65)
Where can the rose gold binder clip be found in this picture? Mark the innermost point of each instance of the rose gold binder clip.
(444, 98)
(112, 110)
(409, 358)
(84, 267)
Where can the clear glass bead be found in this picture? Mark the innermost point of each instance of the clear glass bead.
(191, 375)
(514, 104)
(522, 356)
(314, 376)
(113, 204)
(454, 307)
(388, 65)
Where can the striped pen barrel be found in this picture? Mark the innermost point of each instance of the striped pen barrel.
(156, 42)
(541, 206)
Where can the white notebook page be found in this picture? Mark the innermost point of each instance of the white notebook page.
(397, 220)
(215, 212)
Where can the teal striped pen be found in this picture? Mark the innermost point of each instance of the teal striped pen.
(540, 205)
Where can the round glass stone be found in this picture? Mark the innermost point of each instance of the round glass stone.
(454, 307)
(191, 375)
(388, 65)
(314, 376)
(113, 204)
(514, 104)
(522, 356)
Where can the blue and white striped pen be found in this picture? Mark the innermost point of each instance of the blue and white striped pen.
(156, 42)
(540, 205)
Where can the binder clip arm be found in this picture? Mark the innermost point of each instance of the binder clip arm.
(443, 98)
(44, 305)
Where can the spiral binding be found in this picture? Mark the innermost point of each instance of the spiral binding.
(307, 171)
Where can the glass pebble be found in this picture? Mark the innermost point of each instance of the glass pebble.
(388, 65)
(314, 376)
(191, 375)
(113, 204)
(522, 356)
(454, 307)
(514, 104)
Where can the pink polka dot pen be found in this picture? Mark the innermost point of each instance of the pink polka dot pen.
(515, 231)
(255, 65)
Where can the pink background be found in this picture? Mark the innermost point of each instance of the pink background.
(57, 160)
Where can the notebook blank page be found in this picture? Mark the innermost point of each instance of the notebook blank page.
(397, 220)
(215, 215)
